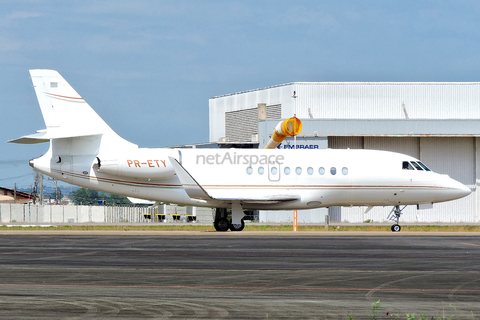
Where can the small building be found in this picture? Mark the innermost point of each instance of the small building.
(14, 196)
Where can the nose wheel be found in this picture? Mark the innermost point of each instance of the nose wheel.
(396, 228)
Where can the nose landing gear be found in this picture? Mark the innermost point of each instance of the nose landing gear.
(397, 212)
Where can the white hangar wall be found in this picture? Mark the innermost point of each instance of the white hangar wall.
(354, 100)
(384, 100)
(439, 123)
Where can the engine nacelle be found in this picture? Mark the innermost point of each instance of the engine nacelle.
(151, 169)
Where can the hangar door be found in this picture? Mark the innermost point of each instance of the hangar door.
(455, 156)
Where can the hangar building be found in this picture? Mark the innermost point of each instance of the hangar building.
(436, 122)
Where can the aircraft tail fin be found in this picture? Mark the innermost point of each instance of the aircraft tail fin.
(64, 111)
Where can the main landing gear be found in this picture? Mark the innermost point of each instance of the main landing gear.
(221, 222)
(397, 212)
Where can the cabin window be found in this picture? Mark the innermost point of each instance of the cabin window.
(416, 165)
(249, 170)
(287, 170)
(333, 171)
(298, 170)
(423, 166)
(407, 166)
(261, 170)
(274, 170)
(310, 170)
(345, 171)
(321, 171)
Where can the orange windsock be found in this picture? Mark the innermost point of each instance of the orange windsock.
(290, 127)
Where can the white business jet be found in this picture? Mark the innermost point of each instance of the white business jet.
(85, 151)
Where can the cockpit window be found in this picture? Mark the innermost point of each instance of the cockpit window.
(423, 166)
(416, 165)
(407, 166)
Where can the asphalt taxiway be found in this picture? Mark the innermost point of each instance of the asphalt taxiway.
(235, 275)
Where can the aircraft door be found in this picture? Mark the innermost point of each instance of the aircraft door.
(273, 171)
(66, 168)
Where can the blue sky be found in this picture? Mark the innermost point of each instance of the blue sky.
(149, 67)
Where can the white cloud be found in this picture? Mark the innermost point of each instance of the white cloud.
(108, 44)
(137, 8)
(20, 15)
(10, 20)
(8, 40)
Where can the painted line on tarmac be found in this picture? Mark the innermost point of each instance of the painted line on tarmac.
(471, 244)
(234, 255)
(136, 270)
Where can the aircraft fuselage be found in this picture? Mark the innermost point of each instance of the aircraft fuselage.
(299, 179)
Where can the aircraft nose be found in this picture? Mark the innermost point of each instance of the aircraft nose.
(464, 190)
(456, 189)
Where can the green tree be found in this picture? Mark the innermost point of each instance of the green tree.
(85, 196)
(116, 200)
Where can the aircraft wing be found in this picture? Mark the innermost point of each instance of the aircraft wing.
(196, 191)
(191, 186)
(266, 200)
(140, 201)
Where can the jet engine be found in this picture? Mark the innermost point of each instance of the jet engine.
(151, 169)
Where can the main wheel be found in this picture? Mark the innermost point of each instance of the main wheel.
(221, 224)
(237, 227)
(396, 228)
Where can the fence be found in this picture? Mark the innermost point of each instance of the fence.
(30, 213)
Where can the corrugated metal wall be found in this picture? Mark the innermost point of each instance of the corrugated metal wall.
(345, 142)
(355, 100)
(410, 146)
(274, 96)
(456, 156)
(384, 100)
(242, 124)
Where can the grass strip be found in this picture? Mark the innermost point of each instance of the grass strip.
(248, 227)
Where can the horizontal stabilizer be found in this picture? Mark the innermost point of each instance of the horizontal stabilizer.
(47, 135)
